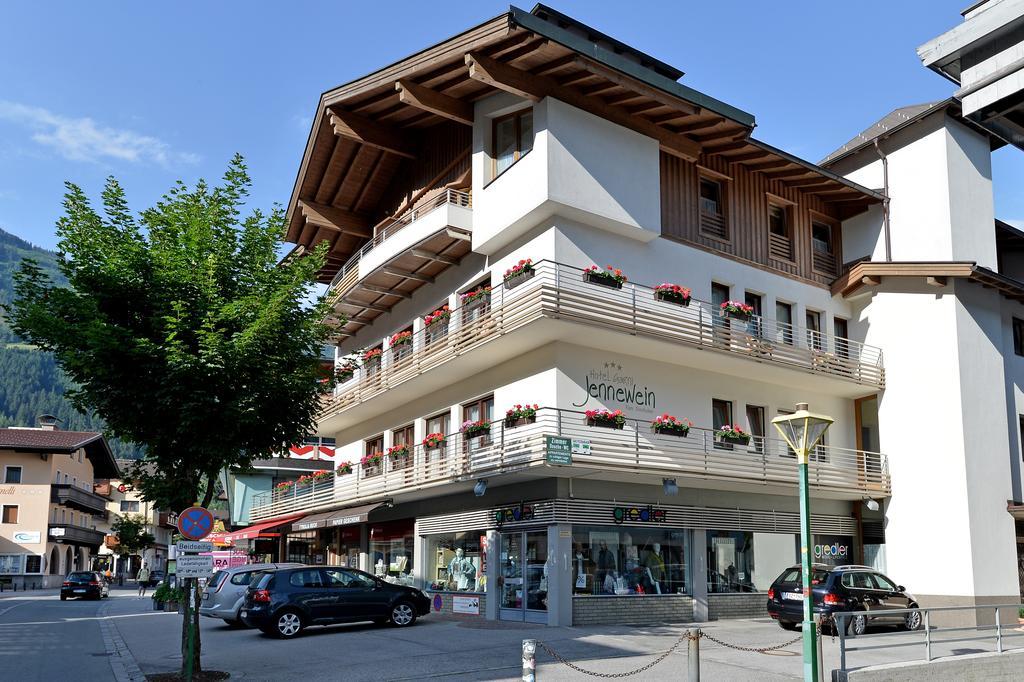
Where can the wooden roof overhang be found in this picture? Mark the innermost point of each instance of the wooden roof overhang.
(366, 130)
(396, 279)
(937, 274)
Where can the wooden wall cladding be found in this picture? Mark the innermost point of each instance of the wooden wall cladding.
(432, 169)
(747, 199)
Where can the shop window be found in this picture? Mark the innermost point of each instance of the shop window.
(628, 561)
(511, 140)
(741, 561)
(12, 474)
(455, 562)
(33, 563)
(303, 548)
(10, 513)
(10, 564)
(129, 506)
(391, 551)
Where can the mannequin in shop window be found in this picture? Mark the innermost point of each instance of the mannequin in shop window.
(605, 569)
(581, 569)
(461, 571)
(655, 566)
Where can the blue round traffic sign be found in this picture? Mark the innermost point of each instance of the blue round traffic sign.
(195, 523)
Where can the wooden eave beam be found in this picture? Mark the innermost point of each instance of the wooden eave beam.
(725, 147)
(337, 219)
(771, 165)
(535, 88)
(807, 182)
(554, 65)
(698, 125)
(435, 102)
(398, 272)
(439, 257)
(636, 86)
(384, 290)
(743, 158)
(368, 306)
(935, 281)
(370, 133)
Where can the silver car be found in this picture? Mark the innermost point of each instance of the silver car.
(225, 591)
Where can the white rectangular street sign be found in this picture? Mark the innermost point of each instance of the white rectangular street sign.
(194, 546)
(194, 566)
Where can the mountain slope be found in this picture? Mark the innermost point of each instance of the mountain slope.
(31, 383)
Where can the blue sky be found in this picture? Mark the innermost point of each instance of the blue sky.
(152, 92)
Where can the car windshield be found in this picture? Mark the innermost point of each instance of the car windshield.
(80, 576)
(793, 576)
(216, 579)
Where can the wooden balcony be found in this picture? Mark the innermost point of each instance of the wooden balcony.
(698, 460)
(76, 535)
(77, 498)
(558, 292)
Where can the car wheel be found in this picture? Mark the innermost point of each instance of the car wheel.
(857, 625)
(912, 620)
(787, 625)
(403, 614)
(63, 597)
(288, 624)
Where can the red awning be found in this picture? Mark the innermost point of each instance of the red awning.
(264, 529)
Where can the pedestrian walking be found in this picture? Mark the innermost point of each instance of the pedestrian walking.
(143, 578)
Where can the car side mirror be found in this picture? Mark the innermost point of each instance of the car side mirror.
(900, 588)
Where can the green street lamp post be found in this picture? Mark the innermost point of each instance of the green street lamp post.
(802, 430)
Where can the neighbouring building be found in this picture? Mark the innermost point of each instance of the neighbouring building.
(124, 499)
(51, 520)
(531, 222)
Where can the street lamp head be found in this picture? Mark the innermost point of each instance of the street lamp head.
(803, 429)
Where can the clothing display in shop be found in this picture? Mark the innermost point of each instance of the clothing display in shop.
(462, 571)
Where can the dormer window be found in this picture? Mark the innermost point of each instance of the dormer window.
(511, 139)
(780, 235)
(823, 252)
(712, 208)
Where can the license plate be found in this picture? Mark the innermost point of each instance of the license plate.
(77, 591)
(243, 614)
(792, 596)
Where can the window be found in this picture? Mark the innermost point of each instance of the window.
(841, 331)
(721, 416)
(477, 410)
(403, 436)
(10, 564)
(309, 577)
(402, 349)
(628, 561)
(438, 328)
(712, 209)
(371, 367)
(789, 451)
(12, 474)
(33, 563)
(10, 513)
(815, 339)
(780, 239)
(475, 302)
(784, 322)
(372, 445)
(755, 423)
(719, 295)
(754, 301)
(454, 562)
(742, 561)
(1018, 336)
(348, 579)
(883, 583)
(822, 249)
(242, 578)
(439, 423)
(129, 506)
(512, 139)
(391, 551)
(56, 479)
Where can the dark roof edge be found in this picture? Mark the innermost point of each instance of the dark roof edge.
(631, 69)
(828, 161)
(810, 165)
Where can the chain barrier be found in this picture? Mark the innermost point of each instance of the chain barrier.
(685, 637)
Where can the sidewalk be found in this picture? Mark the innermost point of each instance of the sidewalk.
(26, 594)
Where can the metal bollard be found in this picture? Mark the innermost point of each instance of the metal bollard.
(529, 660)
(693, 655)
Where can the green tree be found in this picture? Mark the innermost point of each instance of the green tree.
(132, 536)
(182, 331)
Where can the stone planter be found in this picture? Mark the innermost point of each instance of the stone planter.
(604, 424)
(520, 421)
(669, 297)
(610, 282)
(515, 280)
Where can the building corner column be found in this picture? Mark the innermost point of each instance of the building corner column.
(698, 575)
(558, 574)
(493, 549)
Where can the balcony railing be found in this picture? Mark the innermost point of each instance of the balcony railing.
(349, 272)
(559, 291)
(76, 535)
(634, 449)
(73, 496)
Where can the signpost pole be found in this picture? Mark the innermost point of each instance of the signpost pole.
(191, 633)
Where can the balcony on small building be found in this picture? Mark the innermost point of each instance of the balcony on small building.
(77, 498)
(556, 300)
(515, 453)
(76, 535)
(404, 254)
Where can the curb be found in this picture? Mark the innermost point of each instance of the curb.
(122, 663)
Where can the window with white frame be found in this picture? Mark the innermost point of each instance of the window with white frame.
(129, 506)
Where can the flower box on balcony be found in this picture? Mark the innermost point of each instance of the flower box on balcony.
(606, 419)
(345, 372)
(609, 277)
(400, 456)
(521, 414)
(735, 310)
(519, 273)
(372, 464)
(672, 293)
(667, 425)
(439, 317)
(472, 429)
(475, 298)
(344, 469)
(401, 339)
(733, 435)
(434, 441)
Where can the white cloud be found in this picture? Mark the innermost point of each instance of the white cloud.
(82, 139)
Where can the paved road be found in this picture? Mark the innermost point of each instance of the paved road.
(45, 639)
